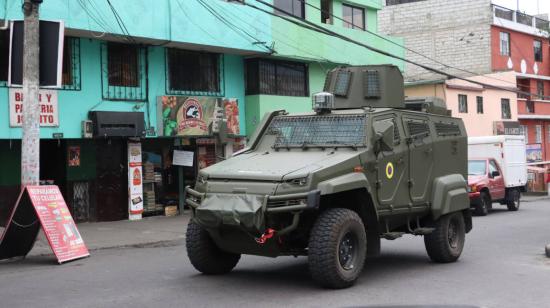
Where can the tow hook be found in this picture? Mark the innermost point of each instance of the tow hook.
(269, 233)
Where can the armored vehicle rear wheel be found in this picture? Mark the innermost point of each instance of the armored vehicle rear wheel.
(446, 242)
(482, 208)
(203, 253)
(337, 248)
(512, 200)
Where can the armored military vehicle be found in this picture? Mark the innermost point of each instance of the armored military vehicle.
(365, 164)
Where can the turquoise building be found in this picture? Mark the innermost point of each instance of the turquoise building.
(147, 60)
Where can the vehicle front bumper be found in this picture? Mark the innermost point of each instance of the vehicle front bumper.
(474, 198)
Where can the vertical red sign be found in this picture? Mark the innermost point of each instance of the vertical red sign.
(57, 223)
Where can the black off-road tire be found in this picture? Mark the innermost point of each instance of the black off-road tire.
(445, 243)
(337, 248)
(513, 200)
(484, 204)
(204, 255)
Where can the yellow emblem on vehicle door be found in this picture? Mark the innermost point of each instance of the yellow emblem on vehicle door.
(389, 170)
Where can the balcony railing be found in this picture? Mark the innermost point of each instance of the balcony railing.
(521, 18)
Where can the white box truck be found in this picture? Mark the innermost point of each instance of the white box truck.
(497, 171)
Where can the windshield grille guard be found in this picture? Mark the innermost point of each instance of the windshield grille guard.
(347, 130)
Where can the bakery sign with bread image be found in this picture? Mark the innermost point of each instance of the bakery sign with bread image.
(191, 116)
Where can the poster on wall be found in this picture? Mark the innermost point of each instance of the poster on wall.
(534, 152)
(191, 116)
(183, 158)
(135, 180)
(74, 156)
(49, 113)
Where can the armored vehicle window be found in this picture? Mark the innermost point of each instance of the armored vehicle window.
(319, 131)
(371, 84)
(396, 135)
(418, 128)
(343, 80)
(447, 129)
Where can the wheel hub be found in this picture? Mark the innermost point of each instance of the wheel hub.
(452, 234)
(347, 251)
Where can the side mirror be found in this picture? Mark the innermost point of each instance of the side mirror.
(494, 174)
(383, 134)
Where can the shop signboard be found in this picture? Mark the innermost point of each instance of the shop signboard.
(49, 112)
(506, 128)
(135, 180)
(534, 152)
(42, 206)
(191, 116)
(183, 158)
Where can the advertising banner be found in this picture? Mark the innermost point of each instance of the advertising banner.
(42, 206)
(191, 116)
(49, 112)
(135, 180)
(506, 128)
(534, 152)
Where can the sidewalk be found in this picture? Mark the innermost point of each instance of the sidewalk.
(149, 231)
(533, 198)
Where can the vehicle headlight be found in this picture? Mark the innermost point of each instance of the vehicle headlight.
(472, 188)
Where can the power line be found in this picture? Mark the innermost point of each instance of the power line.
(399, 45)
(317, 28)
(121, 24)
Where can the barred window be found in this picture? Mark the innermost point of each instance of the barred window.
(192, 72)
(123, 65)
(4, 55)
(70, 75)
(124, 72)
(273, 77)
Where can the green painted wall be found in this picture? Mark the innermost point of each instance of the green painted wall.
(75, 105)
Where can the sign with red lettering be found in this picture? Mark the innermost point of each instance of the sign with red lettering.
(49, 113)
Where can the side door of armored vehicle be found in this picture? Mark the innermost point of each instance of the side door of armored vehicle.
(421, 164)
(392, 174)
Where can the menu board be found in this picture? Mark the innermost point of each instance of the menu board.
(57, 223)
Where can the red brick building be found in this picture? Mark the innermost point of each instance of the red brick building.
(520, 42)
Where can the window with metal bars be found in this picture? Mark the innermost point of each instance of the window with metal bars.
(70, 75)
(273, 77)
(124, 71)
(194, 73)
(537, 48)
(4, 56)
(319, 131)
(479, 100)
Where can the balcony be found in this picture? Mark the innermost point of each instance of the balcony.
(519, 21)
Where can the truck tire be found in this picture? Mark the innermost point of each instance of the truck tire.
(484, 204)
(445, 243)
(204, 255)
(512, 200)
(337, 248)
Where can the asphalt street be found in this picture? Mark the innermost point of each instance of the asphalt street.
(503, 265)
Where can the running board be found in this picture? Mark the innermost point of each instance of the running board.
(422, 231)
(392, 235)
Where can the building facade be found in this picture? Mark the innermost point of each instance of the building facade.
(158, 79)
(495, 39)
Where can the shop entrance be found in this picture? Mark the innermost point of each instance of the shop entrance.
(112, 180)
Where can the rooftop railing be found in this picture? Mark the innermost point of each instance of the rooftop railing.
(521, 18)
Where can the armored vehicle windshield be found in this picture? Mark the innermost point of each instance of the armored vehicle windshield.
(331, 130)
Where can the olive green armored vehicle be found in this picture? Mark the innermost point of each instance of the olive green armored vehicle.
(366, 164)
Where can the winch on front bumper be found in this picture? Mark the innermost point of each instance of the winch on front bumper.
(246, 211)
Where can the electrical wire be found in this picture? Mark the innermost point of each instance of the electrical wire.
(317, 28)
(121, 24)
(402, 46)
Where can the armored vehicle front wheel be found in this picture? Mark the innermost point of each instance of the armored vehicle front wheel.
(204, 255)
(337, 248)
(446, 242)
(512, 200)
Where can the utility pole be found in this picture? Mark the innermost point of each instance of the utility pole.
(30, 145)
